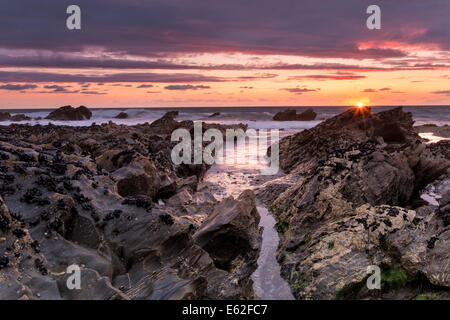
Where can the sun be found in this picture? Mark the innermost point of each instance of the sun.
(360, 105)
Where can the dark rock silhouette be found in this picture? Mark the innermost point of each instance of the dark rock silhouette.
(215, 114)
(68, 113)
(121, 115)
(6, 116)
(291, 115)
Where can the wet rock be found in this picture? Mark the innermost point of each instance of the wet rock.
(215, 114)
(95, 287)
(121, 115)
(291, 115)
(139, 179)
(5, 116)
(231, 231)
(90, 196)
(19, 117)
(68, 113)
(357, 175)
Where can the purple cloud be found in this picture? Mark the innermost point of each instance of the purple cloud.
(17, 87)
(186, 87)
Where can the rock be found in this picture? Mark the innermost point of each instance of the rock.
(95, 287)
(440, 131)
(19, 117)
(5, 116)
(68, 113)
(121, 115)
(231, 231)
(291, 115)
(307, 115)
(167, 124)
(91, 196)
(215, 114)
(140, 178)
(358, 175)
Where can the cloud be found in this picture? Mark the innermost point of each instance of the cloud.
(93, 92)
(324, 77)
(18, 87)
(38, 59)
(145, 86)
(444, 92)
(8, 76)
(376, 90)
(299, 90)
(186, 87)
(57, 88)
(160, 27)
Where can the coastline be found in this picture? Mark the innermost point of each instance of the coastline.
(109, 196)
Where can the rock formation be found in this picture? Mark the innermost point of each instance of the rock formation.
(121, 115)
(352, 203)
(68, 113)
(291, 115)
(108, 199)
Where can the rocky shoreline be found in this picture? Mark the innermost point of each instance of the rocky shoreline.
(109, 199)
(353, 201)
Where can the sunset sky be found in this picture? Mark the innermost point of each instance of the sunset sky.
(158, 53)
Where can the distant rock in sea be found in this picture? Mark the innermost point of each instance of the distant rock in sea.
(122, 115)
(441, 131)
(6, 116)
(68, 113)
(215, 114)
(291, 115)
(20, 117)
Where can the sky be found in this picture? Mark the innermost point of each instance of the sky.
(175, 53)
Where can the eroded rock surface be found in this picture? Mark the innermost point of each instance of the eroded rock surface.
(108, 199)
(353, 204)
(291, 115)
(68, 113)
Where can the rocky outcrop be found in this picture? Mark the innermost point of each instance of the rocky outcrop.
(441, 131)
(353, 204)
(291, 115)
(109, 199)
(68, 113)
(232, 222)
(6, 116)
(215, 114)
(121, 115)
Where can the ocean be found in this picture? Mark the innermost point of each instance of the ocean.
(255, 117)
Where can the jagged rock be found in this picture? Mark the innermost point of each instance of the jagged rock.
(291, 115)
(139, 178)
(215, 114)
(76, 197)
(4, 116)
(231, 231)
(440, 131)
(95, 287)
(68, 113)
(121, 115)
(354, 173)
(19, 117)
